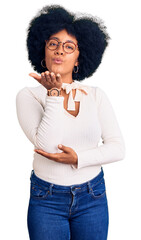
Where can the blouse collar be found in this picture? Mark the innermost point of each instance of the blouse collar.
(80, 90)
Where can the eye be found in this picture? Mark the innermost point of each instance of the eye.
(69, 46)
(52, 43)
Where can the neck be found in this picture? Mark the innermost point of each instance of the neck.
(67, 78)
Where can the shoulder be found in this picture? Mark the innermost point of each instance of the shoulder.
(36, 93)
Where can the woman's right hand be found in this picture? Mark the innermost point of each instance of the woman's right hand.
(48, 80)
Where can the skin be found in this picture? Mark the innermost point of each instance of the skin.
(54, 77)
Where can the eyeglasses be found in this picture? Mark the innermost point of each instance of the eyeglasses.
(68, 46)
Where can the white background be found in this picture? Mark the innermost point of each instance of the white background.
(118, 75)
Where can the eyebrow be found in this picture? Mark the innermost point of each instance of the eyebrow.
(58, 39)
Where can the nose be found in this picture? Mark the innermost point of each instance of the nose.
(59, 50)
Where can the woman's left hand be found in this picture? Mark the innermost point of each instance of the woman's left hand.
(68, 155)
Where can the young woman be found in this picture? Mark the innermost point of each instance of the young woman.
(65, 120)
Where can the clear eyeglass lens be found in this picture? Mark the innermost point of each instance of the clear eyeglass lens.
(68, 46)
(52, 44)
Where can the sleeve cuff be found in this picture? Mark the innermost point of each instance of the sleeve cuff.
(55, 98)
(77, 166)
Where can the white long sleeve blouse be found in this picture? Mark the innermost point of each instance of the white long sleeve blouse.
(46, 124)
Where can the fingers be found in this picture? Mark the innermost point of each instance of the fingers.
(63, 157)
(51, 76)
(43, 77)
(35, 76)
(46, 75)
(48, 79)
(58, 77)
(52, 156)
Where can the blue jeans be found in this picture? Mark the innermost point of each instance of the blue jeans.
(76, 212)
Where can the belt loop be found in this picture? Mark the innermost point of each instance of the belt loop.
(89, 186)
(50, 189)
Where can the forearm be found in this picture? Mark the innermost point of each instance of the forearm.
(49, 133)
(42, 126)
(104, 154)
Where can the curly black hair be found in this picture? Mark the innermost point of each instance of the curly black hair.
(89, 31)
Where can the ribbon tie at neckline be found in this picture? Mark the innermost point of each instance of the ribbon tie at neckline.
(80, 89)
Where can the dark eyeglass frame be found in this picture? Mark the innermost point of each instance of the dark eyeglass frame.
(46, 41)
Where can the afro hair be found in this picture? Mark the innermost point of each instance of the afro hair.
(89, 31)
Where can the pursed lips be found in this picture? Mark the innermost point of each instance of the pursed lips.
(57, 60)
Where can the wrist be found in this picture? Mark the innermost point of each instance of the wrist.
(55, 92)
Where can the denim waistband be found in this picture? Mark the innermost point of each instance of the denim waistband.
(60, 188)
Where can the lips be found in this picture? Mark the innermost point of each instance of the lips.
(57, 60)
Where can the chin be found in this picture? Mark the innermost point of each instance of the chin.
(57, 69)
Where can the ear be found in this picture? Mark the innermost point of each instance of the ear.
(76, 63)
